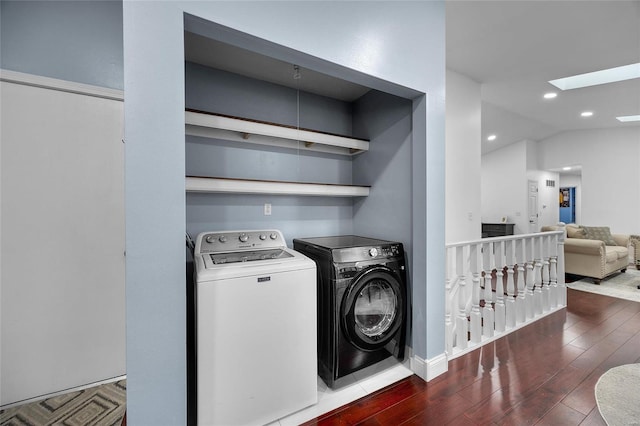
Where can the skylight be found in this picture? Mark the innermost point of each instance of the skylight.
(611, 75)
(626, 118)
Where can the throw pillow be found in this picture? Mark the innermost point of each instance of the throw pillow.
(575, 232)
(601, 233)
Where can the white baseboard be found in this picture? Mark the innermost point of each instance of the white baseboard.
(429, 369)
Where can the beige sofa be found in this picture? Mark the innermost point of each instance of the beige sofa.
(590, 257)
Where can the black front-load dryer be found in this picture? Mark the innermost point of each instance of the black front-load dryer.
(362, 302)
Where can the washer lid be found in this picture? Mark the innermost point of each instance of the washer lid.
(290, 260)
(248, 256)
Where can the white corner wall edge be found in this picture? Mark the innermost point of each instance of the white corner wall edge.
(242, 186)
(61, 85)
(429, 369)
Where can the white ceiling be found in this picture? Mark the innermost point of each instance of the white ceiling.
(513, 48)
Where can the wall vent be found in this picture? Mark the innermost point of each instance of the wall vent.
(551, 183)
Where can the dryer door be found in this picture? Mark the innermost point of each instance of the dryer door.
(373, 308)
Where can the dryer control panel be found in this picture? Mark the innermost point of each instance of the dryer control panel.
(354, 254)
(234, 241)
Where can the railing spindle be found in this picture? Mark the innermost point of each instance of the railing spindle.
(475, 315)
(546, 297)
(461, 319)
(537, 277)
(562, 289)
(448, 322)
(521, 257)
(487, 310)
(553, 270)
(530, 308)
(511, 293)
(500, 310)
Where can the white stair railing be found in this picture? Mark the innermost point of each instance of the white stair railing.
(497, 285)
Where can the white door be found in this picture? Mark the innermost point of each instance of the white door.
(533, 206)
(62, 310)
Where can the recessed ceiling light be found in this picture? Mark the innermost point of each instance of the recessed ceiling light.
(626, 118)
(586, 114)
(550, 95)
(491, 137)
(566, 168)
(626, 72)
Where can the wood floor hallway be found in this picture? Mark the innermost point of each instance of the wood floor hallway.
(542, 374)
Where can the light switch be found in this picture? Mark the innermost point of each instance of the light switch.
(267, 209)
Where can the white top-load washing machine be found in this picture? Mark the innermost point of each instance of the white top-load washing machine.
(255, 328)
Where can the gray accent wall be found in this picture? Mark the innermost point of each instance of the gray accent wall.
(78, 41)
(222, 92)
(217, 91)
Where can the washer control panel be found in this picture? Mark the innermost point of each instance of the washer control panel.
(230, 241)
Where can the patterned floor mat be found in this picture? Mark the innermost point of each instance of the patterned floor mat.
(102, 405)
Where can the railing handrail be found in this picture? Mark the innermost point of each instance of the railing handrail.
(506, 238)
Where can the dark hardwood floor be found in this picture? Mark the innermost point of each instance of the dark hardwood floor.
(542, 374)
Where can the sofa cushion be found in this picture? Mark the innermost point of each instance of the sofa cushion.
(611, 256)
(621, 252)
(601, 233)
(575, 232)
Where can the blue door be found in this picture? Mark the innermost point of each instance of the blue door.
(568, 205)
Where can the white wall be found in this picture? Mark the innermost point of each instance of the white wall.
(463, 188)
(504, 186)
(610, 193)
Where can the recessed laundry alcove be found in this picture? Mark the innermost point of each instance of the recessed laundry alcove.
(347, 169)
(314, 188)
(396, 50)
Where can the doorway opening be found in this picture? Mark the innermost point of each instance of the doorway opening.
(568, 204)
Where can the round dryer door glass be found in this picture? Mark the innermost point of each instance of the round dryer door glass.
(375, 308)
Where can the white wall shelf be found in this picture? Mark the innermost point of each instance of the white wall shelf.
(251, 186)
(262, 133)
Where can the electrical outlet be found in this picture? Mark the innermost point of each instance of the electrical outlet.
(267, 209)
(470, 215)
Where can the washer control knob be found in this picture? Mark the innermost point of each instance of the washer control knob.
(273, 236)
(209, 239)
(373, 252)
(243, 238)
(222, 239)
(263, 237)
